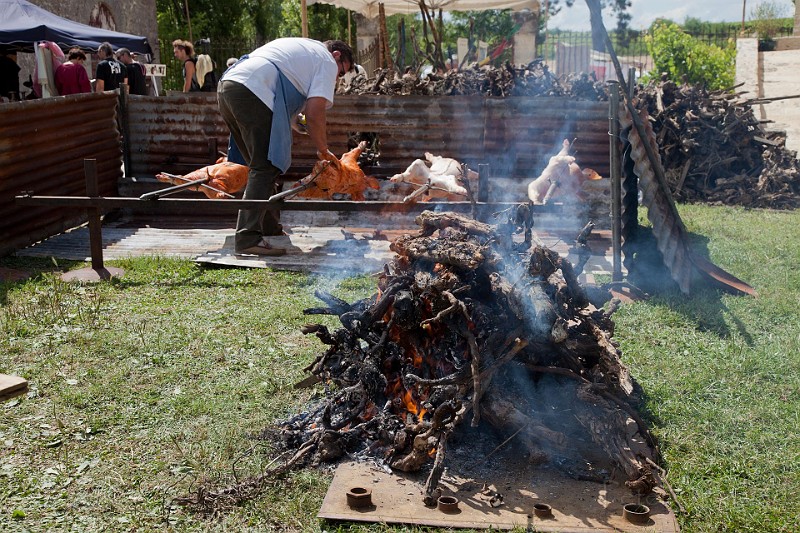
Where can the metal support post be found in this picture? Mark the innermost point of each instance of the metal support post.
(98, 270)
(483, 182)
(616, 180)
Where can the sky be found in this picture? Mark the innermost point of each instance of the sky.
(645, 11)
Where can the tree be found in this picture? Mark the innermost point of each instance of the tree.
(618, 7)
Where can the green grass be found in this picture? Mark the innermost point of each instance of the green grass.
(145, 387)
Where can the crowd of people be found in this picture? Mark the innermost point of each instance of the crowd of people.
(71, 75)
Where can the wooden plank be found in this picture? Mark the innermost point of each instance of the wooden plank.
(11, 386)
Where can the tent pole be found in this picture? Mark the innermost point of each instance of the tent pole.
(304, 17)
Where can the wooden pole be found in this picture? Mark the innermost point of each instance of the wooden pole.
(95, 232)
(744, 9)
(188, 19)
(304, 17)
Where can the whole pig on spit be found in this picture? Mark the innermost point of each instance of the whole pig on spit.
(220, 180)
(562, 177)
(443, 180)
(344, 178)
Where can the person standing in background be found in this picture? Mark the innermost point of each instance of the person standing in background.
(9, 76)
(184, 52)
(135, 72)
(110, 73)
(71, 76)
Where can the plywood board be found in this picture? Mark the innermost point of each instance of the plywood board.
(11, 386)
(577, 506)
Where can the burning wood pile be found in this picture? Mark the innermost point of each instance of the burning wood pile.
(535, 79)
(714, 149)
(472, 325)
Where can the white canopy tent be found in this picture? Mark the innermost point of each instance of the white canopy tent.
(369, 8)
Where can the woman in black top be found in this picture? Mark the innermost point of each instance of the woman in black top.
(184, 52)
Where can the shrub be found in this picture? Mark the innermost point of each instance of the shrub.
(768, 19)
(680, 56)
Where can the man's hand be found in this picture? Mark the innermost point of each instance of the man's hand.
(327, 155)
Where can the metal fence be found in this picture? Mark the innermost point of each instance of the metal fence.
(567, 52)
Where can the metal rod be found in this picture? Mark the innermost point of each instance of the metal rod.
(124, 122)
(93, 213)
(155, 195)
(299, 188)
(631, 81)
(616, 180)
(550, 191)
(483, 182)
(173, 205)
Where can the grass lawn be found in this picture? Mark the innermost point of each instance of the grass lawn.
(147, 386)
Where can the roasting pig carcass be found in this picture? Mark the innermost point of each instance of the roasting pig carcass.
(561, 178)
(344, 178)
(443, 180)
(223, 179)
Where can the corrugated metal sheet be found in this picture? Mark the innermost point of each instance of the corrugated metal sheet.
(515, 136)
(43, 144)
(668, 227)
(172, 133)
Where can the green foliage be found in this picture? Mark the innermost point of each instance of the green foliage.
(682, 56)
(767, 18)
(491, 27)
(324, 21)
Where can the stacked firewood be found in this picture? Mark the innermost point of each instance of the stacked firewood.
(534, 79)
(472, 325)
(715, 150)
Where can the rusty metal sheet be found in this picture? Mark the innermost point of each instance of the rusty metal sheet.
(668, 227)
(515, 136)
(577, 506)
(172, 133)
(42, 147)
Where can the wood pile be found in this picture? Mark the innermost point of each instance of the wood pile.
(471, 326)
(535, 79)
(715, 150)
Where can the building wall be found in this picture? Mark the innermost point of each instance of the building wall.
(771, 75)
(796, 18)
(127, 16)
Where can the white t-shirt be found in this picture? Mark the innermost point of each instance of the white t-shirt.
(306, 63)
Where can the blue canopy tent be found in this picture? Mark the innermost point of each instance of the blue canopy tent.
(22, 24)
